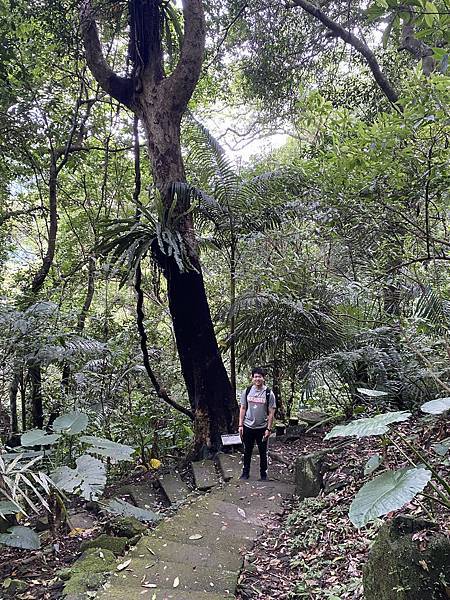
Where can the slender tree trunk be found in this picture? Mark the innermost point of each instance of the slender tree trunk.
(13, 391)
(233, 318)
(23, 400)
(37, 410)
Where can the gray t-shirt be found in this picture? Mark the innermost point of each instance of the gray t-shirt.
(256, 415)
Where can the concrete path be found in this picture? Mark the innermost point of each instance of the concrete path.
(197, 554)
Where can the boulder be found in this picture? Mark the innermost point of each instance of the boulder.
(409, 560)
(311, 417)
(117, 545)
(127, 527)
(89, 572)
(308, 476)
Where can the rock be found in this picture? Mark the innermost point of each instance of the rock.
(308, 476)
(107, 542)
(64, 574)
(399, 569)
(127, 527)
(294, 432)
(11, 587)
(42, 524)
(81, 520)
(312, 417)
(89, 572)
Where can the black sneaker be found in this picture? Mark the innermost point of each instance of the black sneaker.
(263, 477)
(244, 475)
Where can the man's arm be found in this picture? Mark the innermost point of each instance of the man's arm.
(269, 422)
(242, 412)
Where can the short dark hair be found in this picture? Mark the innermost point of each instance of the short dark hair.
(258, 371)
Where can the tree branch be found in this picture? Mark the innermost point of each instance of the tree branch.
(120, 88)
(356, 43)
(184, 78)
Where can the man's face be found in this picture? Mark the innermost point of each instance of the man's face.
(257, 380)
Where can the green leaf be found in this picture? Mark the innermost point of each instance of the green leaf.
(8, 508)
(71, 423)
(365, 427)
(88, 478)
(387, 32)
(372, 464)
(430, 7)
(108, 448)
(441, 448)
(436, 407)
(387, 492)
(21, 537)
(120, 507)
(371, 393)
(38, 437)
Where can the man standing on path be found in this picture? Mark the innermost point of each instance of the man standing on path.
(255, 421)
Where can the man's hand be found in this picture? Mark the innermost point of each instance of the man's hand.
(266, 434)
(241, 431)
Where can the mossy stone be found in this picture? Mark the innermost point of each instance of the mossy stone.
(128, 527)
(397, 567)
(89, 572)
(11, 587)
(107, 542)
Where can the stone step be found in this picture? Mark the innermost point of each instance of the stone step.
(230, 465)
(142, 495)
(156, 549)
(166, 574)
(173, 487)
(205, 475)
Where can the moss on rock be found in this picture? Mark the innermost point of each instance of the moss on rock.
(89, 572)
(128, 527)
(107, 542)
(399, 569)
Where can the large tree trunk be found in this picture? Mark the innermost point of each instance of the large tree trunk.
(207, 382)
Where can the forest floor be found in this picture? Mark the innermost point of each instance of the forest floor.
(310, 550)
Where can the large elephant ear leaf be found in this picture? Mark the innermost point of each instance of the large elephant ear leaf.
(372, 426)
(436, 407)
(71, 423)
(21, 537)
(88, 478)
(105, 447)
(387, 492)
(38, 437)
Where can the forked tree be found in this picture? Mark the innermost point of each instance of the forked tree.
(159, 100)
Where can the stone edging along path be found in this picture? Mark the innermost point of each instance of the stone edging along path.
(197, 554)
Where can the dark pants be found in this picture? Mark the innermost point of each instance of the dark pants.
(249, 437)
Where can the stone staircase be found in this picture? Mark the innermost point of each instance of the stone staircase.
(197, 554)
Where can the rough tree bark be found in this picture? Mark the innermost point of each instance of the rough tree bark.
(159, 102)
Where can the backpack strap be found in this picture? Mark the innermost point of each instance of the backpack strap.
(247, 391)
(268, 391)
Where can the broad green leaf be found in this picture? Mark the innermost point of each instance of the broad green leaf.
(21, 537)
(371, 393)
(8, 508)
(71, 423)
(372, 464)
(387, 492)
(38, 437)
(108, 448)
(441, 448)
(88, 478)
(436, 407)
(364, 427)
(120, 507)
(430, 15)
